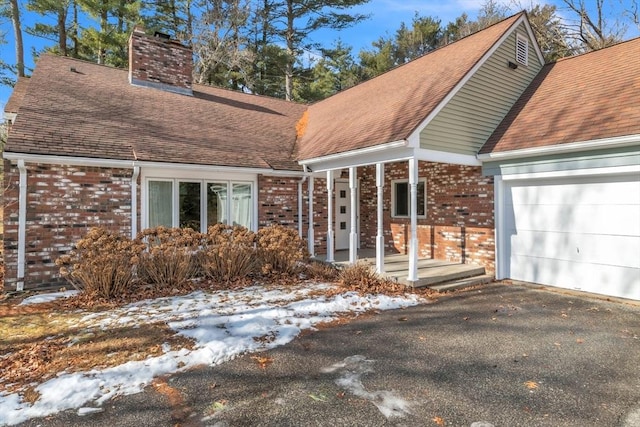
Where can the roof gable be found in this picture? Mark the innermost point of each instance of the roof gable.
(391, 106)
(469, 117)
(583, 98)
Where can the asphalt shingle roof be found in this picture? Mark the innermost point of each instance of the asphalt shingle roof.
(582, 98)
(76, 108)
(391, 106)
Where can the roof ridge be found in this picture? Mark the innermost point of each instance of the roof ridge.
(580, 55)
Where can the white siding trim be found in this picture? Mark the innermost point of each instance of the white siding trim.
(112, 163)
(570, 147)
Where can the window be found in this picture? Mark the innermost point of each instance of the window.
(401, 198)
(522, 50)
(160, 206)
(197, 204)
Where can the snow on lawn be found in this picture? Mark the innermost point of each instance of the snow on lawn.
(48, 297)
(224, 325)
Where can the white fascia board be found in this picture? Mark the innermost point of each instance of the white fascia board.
(67, 160)
(416, 133)
(359, 157)
(388, 156)
(444, 157)
(534, 41)
(128, 164)
(615, 170)
(570, 147)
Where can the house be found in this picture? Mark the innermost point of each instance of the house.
(452, 156)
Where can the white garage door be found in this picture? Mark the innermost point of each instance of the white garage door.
(576, 233)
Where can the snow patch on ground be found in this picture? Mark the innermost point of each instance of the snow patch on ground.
(48, 297)
(224, 325)
(352, 369)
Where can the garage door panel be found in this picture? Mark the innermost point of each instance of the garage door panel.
(577, 233)
(596, 219)
(601, 191)
(587, 248)
(601, 279)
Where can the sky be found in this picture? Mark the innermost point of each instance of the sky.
(223, 325)
(385, 17)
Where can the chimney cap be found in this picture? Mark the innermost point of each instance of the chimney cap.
(162, 35)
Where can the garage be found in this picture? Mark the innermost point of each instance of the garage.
(574, 232)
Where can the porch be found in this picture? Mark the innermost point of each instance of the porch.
(434, 274)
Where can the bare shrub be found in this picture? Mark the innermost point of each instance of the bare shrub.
(360, 277)
(101, 264)
(229, 253)
(322, 271)
(170, 257)
(280, 250)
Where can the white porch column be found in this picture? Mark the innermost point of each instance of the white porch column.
(353, 235)
(330, 245)
(380, 233)
(412, 275)
(310, 231)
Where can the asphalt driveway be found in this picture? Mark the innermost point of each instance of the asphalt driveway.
(501, 355)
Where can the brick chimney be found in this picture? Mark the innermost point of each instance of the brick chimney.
(159, 62)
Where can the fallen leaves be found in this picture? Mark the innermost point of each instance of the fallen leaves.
(531, 385)
(438, 420)
(263, 361)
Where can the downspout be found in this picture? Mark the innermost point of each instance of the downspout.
(22, 224)
(134, 201)
(300, 204)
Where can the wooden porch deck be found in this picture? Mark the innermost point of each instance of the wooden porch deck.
(432, 273)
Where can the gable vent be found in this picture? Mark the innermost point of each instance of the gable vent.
(522, 50)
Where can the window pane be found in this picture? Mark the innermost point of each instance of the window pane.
(160, 203)
(241, 205)
(421, 198)
(190, 205)
(216, 203)
(402, 199)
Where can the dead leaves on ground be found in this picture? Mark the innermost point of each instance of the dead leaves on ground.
(263, 361)
(42, 348)
(531, 385)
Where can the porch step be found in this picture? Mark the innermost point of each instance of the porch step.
(432, 273)
(462, 283)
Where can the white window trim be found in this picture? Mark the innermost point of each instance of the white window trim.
(176, 176)
(525, 40)
(393, 198)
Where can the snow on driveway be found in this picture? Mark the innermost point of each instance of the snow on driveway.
(224, 325)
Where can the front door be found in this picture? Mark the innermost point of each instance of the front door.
(342, 214)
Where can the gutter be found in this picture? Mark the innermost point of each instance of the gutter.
(134, 201)
(302, 180)
(571, 147)
(22, 224)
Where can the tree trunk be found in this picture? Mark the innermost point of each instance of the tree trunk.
(17, 31)
(288, 72)
(62, 30)
(103, 31)
(74, 30)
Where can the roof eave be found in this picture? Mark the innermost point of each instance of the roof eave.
(570, 147)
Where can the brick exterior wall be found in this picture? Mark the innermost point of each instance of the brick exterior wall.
(278, 204)
(63, 203)
(459, 223)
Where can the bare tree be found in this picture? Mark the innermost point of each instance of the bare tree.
(594, 31)
(222, 56)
